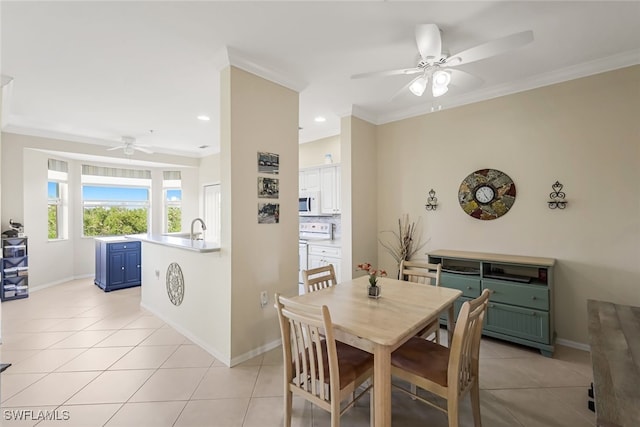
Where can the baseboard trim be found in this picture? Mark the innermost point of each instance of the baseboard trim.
(58, 282)
(212, 351)
(573, 344)
(256, 352)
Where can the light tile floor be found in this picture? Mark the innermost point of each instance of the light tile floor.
(98, 359)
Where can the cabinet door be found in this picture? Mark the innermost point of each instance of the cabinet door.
(316, 261)
(518, 322)
(132, 267)
(116, 268)
(309, 180)
(338, 192)
(330, 190)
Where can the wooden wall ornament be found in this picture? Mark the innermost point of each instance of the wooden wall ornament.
(487, 194)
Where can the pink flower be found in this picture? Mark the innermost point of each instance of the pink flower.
(373, 273)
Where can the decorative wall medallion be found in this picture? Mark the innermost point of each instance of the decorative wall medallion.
(175, 283)
(487, 194)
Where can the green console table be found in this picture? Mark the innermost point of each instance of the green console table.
(521, 307)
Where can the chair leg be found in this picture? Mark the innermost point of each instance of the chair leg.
(474, 394)
(372, 408)
(288, 404)
(452, 412)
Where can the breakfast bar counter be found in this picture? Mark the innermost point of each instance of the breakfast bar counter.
(178, 242)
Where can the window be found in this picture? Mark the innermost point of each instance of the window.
(115, 201)
(172, 189)
(57, 192)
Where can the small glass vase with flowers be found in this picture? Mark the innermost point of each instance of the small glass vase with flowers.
(374, 288)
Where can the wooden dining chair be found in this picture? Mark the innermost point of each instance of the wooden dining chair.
(319, 278)
(325, 381)
(448, 372)
(427, 274)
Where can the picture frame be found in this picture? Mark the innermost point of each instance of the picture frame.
(268, 163)
(268, 213)
(268, 188)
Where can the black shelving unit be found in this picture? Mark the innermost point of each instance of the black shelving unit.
(15, 268)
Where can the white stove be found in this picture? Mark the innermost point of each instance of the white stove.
(310, 231)
(315, 231)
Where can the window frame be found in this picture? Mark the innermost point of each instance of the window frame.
(61, 202)
(108, 183)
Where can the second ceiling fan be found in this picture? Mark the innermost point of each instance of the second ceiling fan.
(436, 66)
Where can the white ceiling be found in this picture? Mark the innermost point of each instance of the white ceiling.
(95, 71)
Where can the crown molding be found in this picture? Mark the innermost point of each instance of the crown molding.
(229, 56)
(361, 113)
(586, 69)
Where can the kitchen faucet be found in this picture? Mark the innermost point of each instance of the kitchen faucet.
(193, 223)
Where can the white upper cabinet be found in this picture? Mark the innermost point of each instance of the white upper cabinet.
(326, 180)
(330, 190)
(309, 180)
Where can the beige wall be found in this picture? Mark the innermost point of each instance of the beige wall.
(312, 153)
(24, 189)
(359, 195)
(584, 133)
(264, 257)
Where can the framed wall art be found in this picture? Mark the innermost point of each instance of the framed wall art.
(268, 188)
(268, 163)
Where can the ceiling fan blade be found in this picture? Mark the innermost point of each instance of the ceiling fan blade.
(405, 71)
(428, 40)
(464, 80)
(492, 48)
(144, 150)
(115, 148)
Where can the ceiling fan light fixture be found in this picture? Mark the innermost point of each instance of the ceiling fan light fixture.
(128, 150)
(441, 80)
(418, 86)
(439, 90)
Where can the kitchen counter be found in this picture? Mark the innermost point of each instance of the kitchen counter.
(178, 242)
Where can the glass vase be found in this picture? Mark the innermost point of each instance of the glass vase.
(374, 291)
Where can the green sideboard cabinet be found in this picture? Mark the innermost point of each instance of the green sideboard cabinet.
(521, 303)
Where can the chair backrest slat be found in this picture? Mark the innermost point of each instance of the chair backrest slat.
(319, 278)
(465, 345)
(420, 272)
(310, 355)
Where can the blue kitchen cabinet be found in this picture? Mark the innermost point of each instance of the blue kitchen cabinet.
(117, 263)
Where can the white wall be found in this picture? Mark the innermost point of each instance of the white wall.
(24, 198)
(584, 133)
(204, 315)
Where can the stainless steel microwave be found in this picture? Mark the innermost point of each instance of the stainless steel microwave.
(309, 203)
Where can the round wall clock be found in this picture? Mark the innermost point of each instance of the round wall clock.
(487, 194)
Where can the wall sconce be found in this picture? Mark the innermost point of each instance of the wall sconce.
(557, 197)
(432, 201)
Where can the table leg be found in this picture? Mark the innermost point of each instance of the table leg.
(382, 386)
(450, 325)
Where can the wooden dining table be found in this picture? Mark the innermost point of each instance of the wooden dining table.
(379, 326)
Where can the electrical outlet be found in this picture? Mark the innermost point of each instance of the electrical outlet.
(264, 298)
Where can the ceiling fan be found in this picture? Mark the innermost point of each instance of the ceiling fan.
(129, 146)
(436, 65)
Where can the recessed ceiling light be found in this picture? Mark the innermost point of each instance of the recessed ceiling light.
(320, 119)
(204, 118)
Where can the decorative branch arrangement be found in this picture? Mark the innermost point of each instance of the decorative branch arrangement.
(403, 245)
